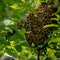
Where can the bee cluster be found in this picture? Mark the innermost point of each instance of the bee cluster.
(35, 22)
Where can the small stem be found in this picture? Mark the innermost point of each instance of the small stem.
(38, 55)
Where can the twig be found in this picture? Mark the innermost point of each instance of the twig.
(38, 55)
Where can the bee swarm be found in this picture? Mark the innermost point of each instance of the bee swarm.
(35, 22)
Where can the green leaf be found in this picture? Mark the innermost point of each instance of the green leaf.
(55, 40)
(57, 15)
(57, 54)
(14, 6)
(18, 48)
(23, 1)
(2, 46)
(58, 10)
(22, 34)
(48, 58)
(2, 26)
(50, 25)
(56, 19)
(24, 43)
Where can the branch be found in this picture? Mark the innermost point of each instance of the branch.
(7, 57)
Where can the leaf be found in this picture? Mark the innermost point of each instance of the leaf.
(18, 48)
(22, 34)
(13, 27)
(48, 58)
(37, 1)
(2, 46)
(56, 19)
(24, 43)
(57, 54)
(55, 40)
(2, 26)
(23, 1)
(58, 10)
(57, 15)
(50, 25)
(13, 37)
(14, 6)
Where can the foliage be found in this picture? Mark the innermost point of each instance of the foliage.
(13, 40)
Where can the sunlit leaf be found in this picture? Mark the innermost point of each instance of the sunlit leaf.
(50, 25)
(57, 17)
(54, 19)
(15, 6)
(37, 1)
(23, 1)
(55, 40)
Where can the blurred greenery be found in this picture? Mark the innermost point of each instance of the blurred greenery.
(13, 40)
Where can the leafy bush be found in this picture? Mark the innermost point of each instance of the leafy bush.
(13, 40)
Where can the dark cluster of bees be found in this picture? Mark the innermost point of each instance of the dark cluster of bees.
(34, 23)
